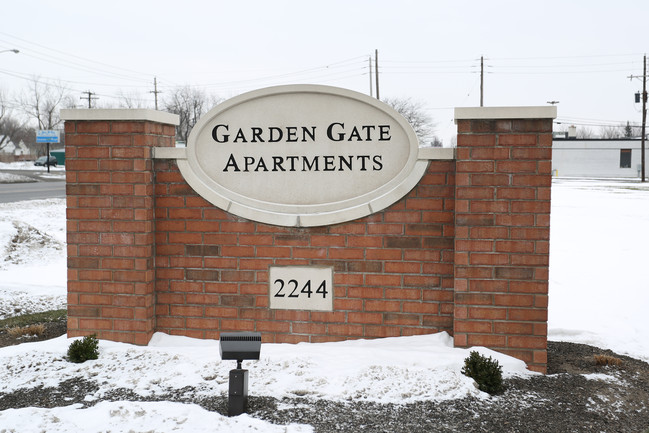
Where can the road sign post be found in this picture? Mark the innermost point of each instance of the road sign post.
(47, 136)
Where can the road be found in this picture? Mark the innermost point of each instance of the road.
(11, 192)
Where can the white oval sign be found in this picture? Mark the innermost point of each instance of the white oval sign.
(302, 155)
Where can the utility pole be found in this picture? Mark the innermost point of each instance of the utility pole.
(155, 91)
(90, 97)
(644, 114)
(376, 73)
(482, 81)
(370, 69)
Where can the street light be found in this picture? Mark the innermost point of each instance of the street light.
(13, 50)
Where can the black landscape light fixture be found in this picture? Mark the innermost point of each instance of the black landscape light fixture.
(239, 346)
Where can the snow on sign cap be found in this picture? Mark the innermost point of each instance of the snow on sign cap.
(302, 155)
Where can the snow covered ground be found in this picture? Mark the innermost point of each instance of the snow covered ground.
(33, 269)
(57, 172)
(599, 256)
(28, 165)
(598, 295)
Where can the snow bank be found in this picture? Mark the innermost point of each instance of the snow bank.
(390, 370)
(135, 417)
(33, 269)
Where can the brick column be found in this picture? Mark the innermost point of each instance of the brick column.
(502, 232)
(110, 220)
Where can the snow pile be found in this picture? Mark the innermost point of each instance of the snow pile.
(402, 370)
(33, 271)
(14, 178)
(36, 172)
(28, 165)
(129, 416)
(391, 370)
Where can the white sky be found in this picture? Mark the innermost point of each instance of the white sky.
(577, 52)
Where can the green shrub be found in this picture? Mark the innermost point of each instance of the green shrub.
(487, 372)
(84, 349)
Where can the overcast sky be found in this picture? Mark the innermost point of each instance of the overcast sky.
(579, 53)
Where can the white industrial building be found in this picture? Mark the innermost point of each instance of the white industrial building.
(614, 158)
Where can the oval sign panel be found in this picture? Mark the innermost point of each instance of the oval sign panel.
(302, 155)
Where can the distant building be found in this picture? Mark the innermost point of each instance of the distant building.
(18, 150)
(608, 158)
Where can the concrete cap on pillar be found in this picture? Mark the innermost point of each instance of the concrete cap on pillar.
(494, 113)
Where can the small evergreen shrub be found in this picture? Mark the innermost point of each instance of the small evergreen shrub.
(84, 349)
(487, 372)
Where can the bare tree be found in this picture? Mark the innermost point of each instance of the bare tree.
(131, 100)
(4, 105)
(420, 121)
(42, 101)
(611, 132)
(11, 129)
(585, 133)
(189, 104)
(4, 115)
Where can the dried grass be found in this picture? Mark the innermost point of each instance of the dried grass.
(31, 330)
(607, 360)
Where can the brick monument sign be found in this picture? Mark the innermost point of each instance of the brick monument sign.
(310, 213)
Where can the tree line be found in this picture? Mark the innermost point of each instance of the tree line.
(39, 104)
(610, 132)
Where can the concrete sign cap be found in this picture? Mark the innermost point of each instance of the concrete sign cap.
(302, 155)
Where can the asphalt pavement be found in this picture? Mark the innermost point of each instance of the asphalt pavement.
(42, 186)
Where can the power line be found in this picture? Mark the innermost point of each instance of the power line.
(103, 65)
(601, 123)
(336, 71)
(311, 73)
(370, 74)
(388, 66)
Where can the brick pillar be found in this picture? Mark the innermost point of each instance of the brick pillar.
(110, 220)
(502, 231)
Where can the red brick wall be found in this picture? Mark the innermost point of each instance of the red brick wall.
(110, 227)
(466, 251)
(502, 235)
(393, 271)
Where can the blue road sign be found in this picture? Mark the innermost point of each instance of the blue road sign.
(47, 136)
